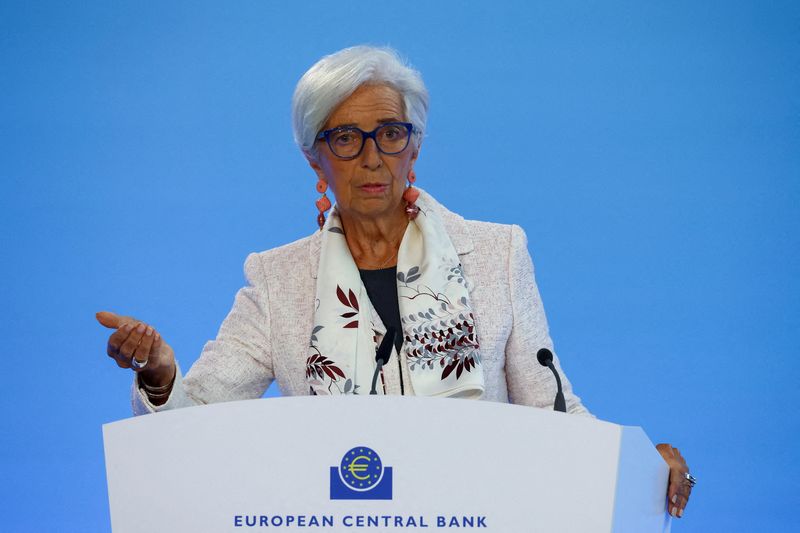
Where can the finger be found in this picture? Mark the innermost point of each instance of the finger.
(112, 320)
(114, 350)
(679, 493)
(118, 338)
(672, 499)
(674, 490)
(677, 501)
(130, 344)
(681, 505)
(108, 319)
(142, 352)
(673, 509)
(156, 348)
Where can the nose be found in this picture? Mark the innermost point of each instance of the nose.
(370, 155)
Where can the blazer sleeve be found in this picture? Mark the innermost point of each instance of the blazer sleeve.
(237, 365)
(530, 383)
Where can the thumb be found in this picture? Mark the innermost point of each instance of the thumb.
(112, 320)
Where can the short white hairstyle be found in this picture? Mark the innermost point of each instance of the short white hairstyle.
(335, 77)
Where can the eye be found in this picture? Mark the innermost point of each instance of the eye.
(344, 137)
(391, 133)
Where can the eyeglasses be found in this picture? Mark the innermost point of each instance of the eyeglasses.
(346, 142)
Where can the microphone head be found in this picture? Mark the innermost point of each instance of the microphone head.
(544, 356)
(385, 349)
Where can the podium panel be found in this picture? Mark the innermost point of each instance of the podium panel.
(381, 463)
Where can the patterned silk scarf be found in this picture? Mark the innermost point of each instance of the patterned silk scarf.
(440, 345)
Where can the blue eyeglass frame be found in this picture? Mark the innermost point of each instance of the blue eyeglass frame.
(366, 135)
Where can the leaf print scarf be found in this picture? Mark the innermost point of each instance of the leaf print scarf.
(440, 345)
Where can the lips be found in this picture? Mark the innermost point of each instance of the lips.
(373, 187)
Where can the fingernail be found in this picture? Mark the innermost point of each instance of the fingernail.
(140, 328)
(126, 326)
(158, 336)
(674, 511)
(675, 498)
(680, 513)
(150, 333)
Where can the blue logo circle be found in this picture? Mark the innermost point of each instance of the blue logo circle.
(361, 469)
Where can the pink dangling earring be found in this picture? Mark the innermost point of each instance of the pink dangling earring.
(323, 204)
(410, 195)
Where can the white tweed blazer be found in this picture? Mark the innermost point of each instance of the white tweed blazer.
(265, 336)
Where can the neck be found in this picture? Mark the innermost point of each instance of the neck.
(375, 242)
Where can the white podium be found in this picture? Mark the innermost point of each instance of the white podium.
(381, 463)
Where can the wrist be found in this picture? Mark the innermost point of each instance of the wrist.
(158, 394)
(158, 378)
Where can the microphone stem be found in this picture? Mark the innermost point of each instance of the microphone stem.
(560, 403)
(375, 377)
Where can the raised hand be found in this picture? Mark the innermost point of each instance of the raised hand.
(139, 346)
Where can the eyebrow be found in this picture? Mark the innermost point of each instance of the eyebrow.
(354, 125)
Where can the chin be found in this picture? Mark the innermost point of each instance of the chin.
(375, 207)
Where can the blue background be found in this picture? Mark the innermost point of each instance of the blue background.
(650, 150)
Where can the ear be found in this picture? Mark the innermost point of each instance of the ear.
(414, 155)
(313, 162)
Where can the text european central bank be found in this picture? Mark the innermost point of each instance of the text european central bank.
(359, 521)
(360, 475)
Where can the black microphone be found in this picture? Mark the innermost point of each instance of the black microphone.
(382, 355)
(545, 358)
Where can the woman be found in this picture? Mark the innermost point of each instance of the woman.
(389, 258)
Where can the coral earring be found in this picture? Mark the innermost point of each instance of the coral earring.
(410, 195)
(323, 204)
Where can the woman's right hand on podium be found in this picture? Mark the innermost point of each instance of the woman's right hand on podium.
(134, 339)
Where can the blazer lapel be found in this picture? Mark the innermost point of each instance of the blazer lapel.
(454, 224)
(314, 244)
(458, 231)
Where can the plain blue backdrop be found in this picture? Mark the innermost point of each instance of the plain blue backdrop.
(649, 149)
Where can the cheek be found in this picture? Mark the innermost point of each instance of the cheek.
(335, 175)
(401, 184)
(339, 179)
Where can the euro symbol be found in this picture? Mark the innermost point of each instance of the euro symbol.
(355, 467)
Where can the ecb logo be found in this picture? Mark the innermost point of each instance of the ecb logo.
(361, 476)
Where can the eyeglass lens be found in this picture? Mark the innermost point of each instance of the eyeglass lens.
(347, 142)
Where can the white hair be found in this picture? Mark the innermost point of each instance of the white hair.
(335, 77)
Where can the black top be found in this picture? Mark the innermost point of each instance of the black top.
(381, 288)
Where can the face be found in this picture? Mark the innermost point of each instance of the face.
(372, 184)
